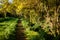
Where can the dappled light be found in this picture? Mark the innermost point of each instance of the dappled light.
(29, 19)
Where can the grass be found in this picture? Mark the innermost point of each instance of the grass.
(31, 35)
(7, 26)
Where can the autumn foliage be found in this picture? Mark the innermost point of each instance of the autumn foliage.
(45, 13)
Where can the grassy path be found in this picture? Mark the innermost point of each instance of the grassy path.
(7, 29)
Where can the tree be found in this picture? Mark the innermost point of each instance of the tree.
(4, 5)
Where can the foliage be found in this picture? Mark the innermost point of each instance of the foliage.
(40, 17)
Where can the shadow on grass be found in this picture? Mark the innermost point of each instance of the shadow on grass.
(7, 19)
(12, 36)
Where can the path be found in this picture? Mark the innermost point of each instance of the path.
(20, 31)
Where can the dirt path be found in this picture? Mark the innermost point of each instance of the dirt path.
(20, 31)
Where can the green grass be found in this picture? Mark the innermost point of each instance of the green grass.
(31, 35)
(7, 26)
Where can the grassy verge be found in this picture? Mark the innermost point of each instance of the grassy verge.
(7, 27)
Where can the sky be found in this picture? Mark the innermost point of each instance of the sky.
(10, 1)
